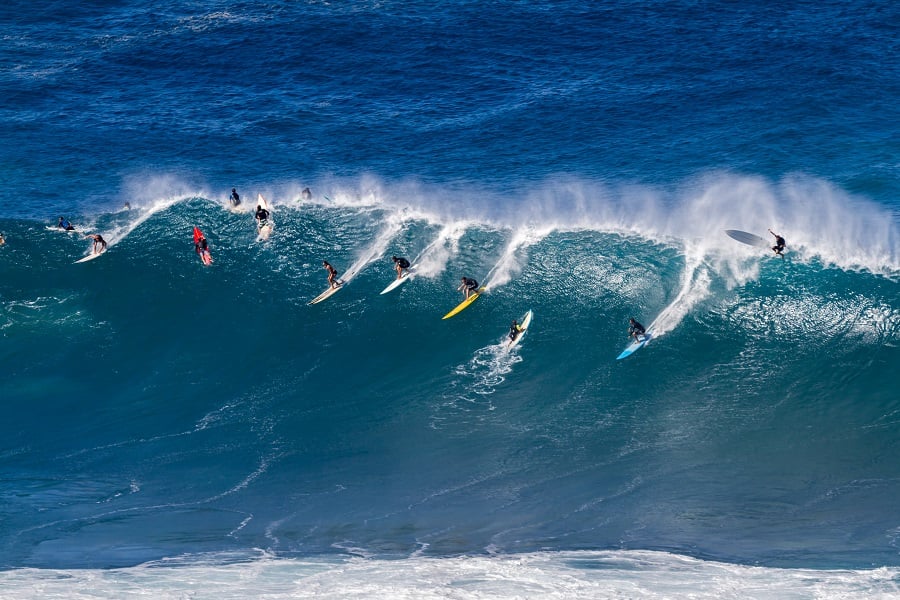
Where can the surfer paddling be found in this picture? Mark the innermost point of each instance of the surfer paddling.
(235, 197)
(65, 225)
(469, 285)
(332, 274)
(778, 248)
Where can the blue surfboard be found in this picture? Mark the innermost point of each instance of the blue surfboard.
(635, 346)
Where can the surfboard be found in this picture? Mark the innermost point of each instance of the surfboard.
(326, 294)
(464, 304)
(90, 256)
(748, 238)
(524, 323)
(266, 230)
(635, 346)
(205, 257)
(410, 273)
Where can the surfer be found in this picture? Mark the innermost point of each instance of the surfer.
(778, 248)
(306, 194)
(201, 245)
(99, 242)
(2, 239)
(65, 225)
(235, 198)
(400, 264)
(635, 329)
(262, 216)
(514, 330)
(469, 285)
(332, 274)
(127, 206)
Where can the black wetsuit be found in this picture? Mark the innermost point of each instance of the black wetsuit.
(514, 330)
(402, 263)
(262, 215)
(636, 329)
(471, 284)
(235, 198)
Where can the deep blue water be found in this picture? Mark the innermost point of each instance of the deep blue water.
(582, 159)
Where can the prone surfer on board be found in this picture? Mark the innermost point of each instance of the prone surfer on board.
(400, 265)
(469, 285)
(635, 329)
(99, 242)
(201, 246)
(778, 248)
(332, 274)
(235, 197)
(64, 224)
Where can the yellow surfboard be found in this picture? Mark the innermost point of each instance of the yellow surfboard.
(464, 304)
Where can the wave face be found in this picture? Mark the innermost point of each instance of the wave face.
(160, 405)
(580, 161)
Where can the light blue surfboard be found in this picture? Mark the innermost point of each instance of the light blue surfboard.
(635, 346)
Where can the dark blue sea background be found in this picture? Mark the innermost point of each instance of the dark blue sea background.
(167, 423)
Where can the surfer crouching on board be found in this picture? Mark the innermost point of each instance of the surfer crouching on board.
(778, 248)
(635, 329)
(469, 285)
(332, 274)
(514, 330)
(99, 242)
(400, 264)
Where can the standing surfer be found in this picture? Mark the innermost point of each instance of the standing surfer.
(99, 242)
(235, 198)
(514, 330)
(468, 284)
(332, 274)
(262, 217)
(635, 329)
(400, 265)
(778, 248)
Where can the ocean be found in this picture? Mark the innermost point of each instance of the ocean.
(177, 430)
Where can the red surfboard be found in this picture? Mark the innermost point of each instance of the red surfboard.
(205, 256)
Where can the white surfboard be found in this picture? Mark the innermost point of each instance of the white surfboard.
(90, 256)
(266, 230)
(410, 273)
(326, 294)
(748, 238)
(524, 324)
(635, 346)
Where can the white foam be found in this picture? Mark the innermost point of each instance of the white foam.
(563, 575)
